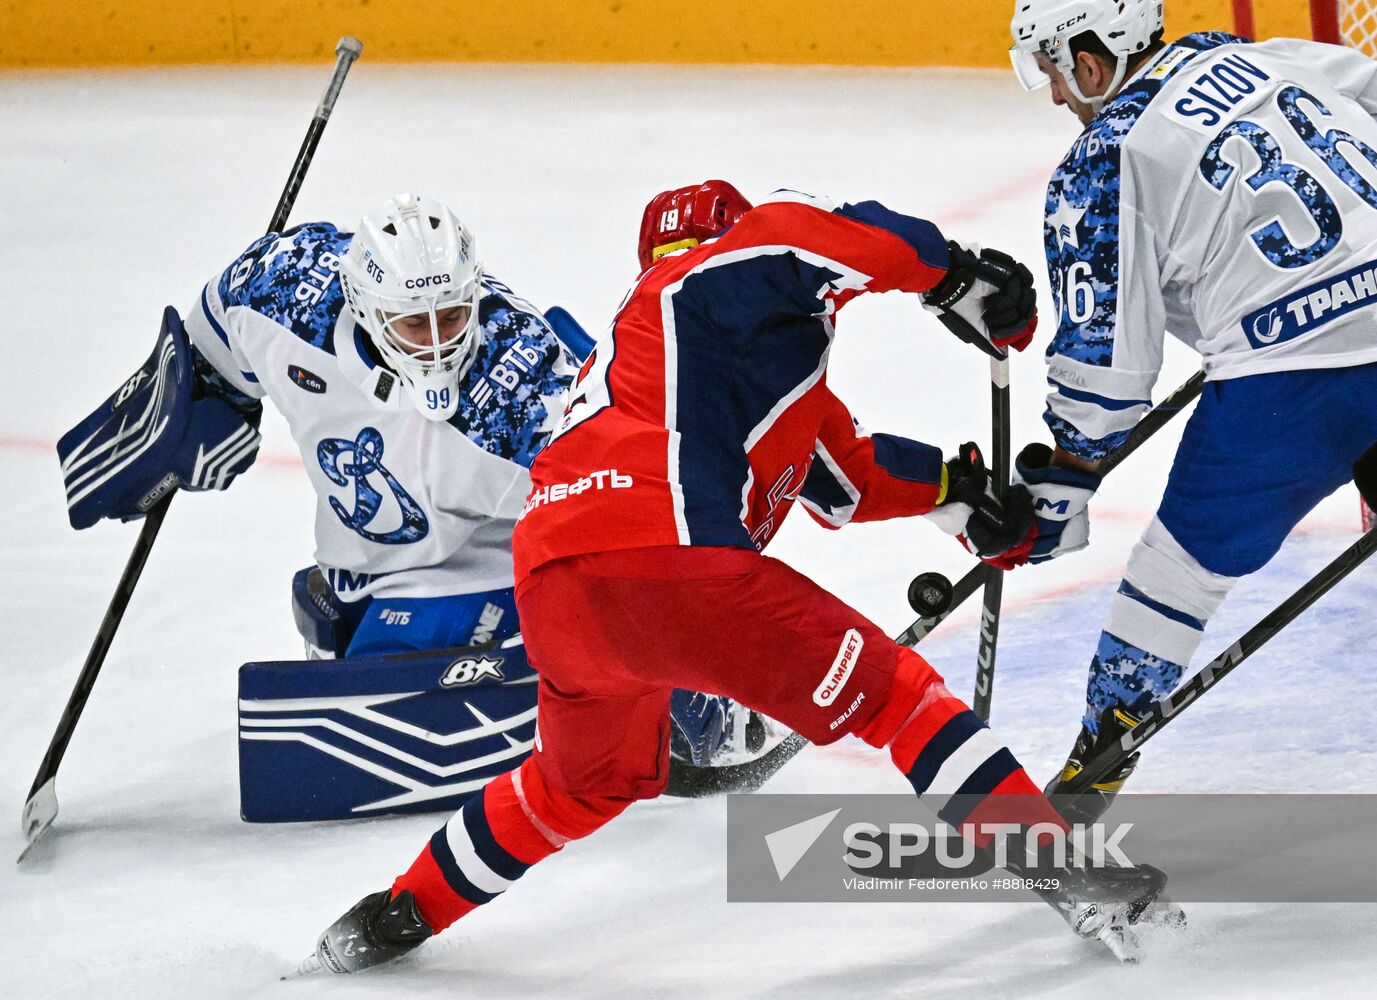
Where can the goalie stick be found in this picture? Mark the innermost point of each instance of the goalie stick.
(1145, 428)
(1365, 476)
(40, 809)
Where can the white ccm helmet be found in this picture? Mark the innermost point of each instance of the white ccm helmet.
(410, 259)
(1046, 27)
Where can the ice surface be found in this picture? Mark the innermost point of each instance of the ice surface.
(121, 192)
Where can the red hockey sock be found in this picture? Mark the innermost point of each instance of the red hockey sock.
(946, 752)
(513, 822)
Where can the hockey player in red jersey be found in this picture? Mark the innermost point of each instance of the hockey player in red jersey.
(690, 432)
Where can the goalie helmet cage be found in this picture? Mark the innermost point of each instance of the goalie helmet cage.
(1340, 22)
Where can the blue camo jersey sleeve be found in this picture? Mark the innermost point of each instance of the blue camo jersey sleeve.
(513, 394)
(1103, 263)
(290, 279)
(1092, 406)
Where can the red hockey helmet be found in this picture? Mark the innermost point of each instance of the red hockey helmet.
(675, 220)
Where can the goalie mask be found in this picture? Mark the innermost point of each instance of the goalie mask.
(411, 278)
(1043, 30)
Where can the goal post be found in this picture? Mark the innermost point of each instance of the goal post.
(1324, 19)
(1340, 22)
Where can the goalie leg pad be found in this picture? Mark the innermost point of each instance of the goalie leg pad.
(414, 732)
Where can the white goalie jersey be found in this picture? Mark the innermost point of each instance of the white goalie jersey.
(1227, 195)
(405, 506)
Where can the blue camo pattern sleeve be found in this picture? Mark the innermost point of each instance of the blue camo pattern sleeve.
(512, 396)
(1092, 408)
(291, 278)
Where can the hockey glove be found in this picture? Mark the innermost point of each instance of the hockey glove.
(160, 431)
(986, 299)
(970, 511)
(1059, 498)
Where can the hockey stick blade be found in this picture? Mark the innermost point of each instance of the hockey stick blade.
(39, 812)
(1215, 671)
(687, 781)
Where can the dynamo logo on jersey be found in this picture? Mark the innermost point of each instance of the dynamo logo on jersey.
(366, 452)
(1306, 310)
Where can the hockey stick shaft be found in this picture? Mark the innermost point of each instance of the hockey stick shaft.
(1152, 422)
(1159, 415)
(1217, 669)
(348, 50)
(1001, 464)
(40, 809)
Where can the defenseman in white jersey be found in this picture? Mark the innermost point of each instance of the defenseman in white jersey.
(1224, 192)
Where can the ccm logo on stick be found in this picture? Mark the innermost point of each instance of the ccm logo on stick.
(842, 666)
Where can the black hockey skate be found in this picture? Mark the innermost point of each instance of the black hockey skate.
(1088, 806)
(377, 929)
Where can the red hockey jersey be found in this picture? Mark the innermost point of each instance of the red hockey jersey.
(705, 412)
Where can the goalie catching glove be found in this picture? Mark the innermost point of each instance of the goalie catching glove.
(986, 299)
(159, 432)
(986, 526)
(1059, 498)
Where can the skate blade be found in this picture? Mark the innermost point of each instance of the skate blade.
(309, 966)
(39, 812)
(1122, 943)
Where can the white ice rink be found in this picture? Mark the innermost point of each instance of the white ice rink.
(122, 192)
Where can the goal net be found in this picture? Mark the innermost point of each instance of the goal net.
(1352, 22)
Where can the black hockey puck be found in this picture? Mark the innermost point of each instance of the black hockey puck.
(930, 595)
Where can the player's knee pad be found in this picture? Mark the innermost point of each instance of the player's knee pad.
(914, 681)
(567, 815)
(412, 732)
(324, 621)
(1166, 597)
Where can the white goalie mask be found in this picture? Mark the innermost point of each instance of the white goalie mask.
(1043, 29)
(411, 278)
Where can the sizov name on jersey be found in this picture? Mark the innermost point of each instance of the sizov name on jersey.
(1310, 308)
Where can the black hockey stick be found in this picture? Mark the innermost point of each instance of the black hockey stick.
(695, 781)
(1001, 466)
(1103, 763)
(1182, 397)
(40, 809)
